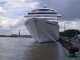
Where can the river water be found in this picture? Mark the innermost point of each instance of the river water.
(28, 49)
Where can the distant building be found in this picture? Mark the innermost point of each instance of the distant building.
(14, 35)
(2, 35)
(26, 36)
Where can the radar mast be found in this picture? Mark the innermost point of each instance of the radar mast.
(45, 6)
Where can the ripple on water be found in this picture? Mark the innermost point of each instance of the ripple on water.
(28, 49)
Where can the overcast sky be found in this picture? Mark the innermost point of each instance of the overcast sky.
(12, 14)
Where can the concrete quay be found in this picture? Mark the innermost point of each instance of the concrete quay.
(67, 43)
(75, 42)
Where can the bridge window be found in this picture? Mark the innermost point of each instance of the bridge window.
(43, 13)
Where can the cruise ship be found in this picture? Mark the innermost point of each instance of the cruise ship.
(42, 24)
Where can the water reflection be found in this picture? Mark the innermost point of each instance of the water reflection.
(28, 49)
(45, 51)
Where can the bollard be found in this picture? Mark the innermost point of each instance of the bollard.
(72, 51)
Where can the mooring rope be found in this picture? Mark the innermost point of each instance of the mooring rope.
(55, 40)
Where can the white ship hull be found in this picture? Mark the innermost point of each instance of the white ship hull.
(42, 30)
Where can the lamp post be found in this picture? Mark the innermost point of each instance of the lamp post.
(64, 31)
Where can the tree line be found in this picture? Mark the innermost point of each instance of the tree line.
(70, 33)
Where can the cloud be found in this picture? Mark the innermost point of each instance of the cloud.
(69, 25)
(69, 9)
(12, 12)
(20, 3)
(3, 2)
(2, 11)
(11, 26)
(12, 15)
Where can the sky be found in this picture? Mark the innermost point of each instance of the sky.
(12, 14)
